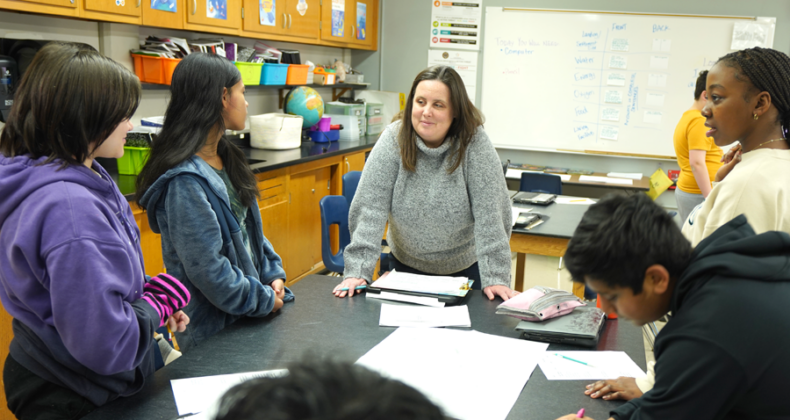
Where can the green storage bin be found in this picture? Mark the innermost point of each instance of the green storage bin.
(374, 129)
(340, 108)
(250, 72)
(133, 159)
(374, 109)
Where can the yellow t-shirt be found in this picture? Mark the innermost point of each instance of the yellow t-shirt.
(690, 135)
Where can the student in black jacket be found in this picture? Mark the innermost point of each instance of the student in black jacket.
(725, 353)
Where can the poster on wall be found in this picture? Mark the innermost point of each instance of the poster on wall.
(267, 12)
(217, 9)
(164, 5)
(463, 62)
(456, 24)
(362, 12)
(338, 17)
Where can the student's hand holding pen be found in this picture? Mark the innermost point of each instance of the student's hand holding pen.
(178, 322)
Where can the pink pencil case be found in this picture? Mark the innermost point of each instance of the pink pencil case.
(539, 303)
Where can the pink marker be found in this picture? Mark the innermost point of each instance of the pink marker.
(580, 414)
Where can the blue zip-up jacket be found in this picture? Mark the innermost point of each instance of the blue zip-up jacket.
(225, 283)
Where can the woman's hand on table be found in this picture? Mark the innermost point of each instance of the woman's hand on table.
(622, 388)
(350, 283)
(503, 292)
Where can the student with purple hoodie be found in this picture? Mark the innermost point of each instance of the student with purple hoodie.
(71, 268)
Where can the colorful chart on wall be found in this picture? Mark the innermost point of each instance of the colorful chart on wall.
(362, 11)
(463, 62)
(456, 24)
(266, 12)
(217, 9)
(338, 17)
(164, 5)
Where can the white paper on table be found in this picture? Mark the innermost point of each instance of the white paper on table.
(606, 180)
(630, 175)
(574, 200)
(610, 114)
(437, 363)
(618, 62)
(661, 45)
(518, 210)
(615, 79)
(421, 283)
(657, 80)
(613, 97)
(655, 99)
(605, 365)
(619, 44)
(418, 316)
(564, 177)
(609, 133)
(516, 173)
(195, 395)
(653, 117)
(659, 62)
(397, 297)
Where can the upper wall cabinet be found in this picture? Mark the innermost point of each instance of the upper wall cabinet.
(48, 7)
(303, 17)
(283, 20)
(265, 16)
(164, 13)
(219, 16)
(350, 23)
(122, 11)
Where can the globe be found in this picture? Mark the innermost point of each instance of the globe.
(305, 102)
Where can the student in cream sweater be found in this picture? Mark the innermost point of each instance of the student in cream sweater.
(437, 179)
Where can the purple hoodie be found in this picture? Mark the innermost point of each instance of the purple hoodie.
(71, 272)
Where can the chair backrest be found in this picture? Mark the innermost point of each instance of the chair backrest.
(540, 182)
(350, 182)
(334, 211)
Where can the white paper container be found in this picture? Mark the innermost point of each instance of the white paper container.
(275, 131)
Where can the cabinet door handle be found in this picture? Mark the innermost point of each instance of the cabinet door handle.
(138, 4)
(353, 32)
(194, 6)
(348, 166)
(290, 20)
(284, 19)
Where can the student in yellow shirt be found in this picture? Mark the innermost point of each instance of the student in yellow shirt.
(698, 157)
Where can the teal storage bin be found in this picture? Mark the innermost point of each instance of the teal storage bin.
(341, 108)
(274, 74)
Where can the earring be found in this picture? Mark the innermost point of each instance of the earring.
(755, 117)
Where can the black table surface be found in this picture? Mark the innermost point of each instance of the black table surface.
(562, 219)
(318, 324)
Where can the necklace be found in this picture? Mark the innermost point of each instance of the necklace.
(769, 141)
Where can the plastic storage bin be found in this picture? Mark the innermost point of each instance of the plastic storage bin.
(250, 72)
(341, 108)
(133, 159)
(274, 74)
(374, 129)
(157, 70)
(372, 108)
(297, 74)
(351, 127)
(376, 120)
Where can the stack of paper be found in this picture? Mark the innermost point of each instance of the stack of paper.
(440, 364)
(416, 316)
(605, 180)
(635, 175)
(441, 285)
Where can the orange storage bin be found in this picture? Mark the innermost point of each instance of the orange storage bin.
(297, 74)
(154, 69)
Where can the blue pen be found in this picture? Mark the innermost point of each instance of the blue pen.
(574, 360)
(345, 289)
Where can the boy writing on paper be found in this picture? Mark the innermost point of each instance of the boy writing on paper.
(723, 354)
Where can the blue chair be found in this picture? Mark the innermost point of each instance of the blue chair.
(334, 211)
(350, 183)
(540, 182)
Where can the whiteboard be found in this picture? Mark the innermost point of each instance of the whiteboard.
(595, 82)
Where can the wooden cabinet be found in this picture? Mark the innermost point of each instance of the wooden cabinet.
(253, 9)
(210, 16)
(304, 220)
(358, 27)
(150, 242)
(303, 17)
(47, 7)
(273, 204)
(164, 14)
(353, 162)
(6, 335)
(294, 20)
(122, 11)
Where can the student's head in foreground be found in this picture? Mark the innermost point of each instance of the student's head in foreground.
(327, 391)
(629, 251)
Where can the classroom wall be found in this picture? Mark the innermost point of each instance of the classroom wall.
(404, 52)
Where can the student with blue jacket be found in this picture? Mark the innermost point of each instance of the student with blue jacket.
(71, 268)
(201, 195)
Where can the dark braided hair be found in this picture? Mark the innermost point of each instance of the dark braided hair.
(768, 70)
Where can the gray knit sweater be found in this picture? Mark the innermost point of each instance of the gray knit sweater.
(439, 223)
